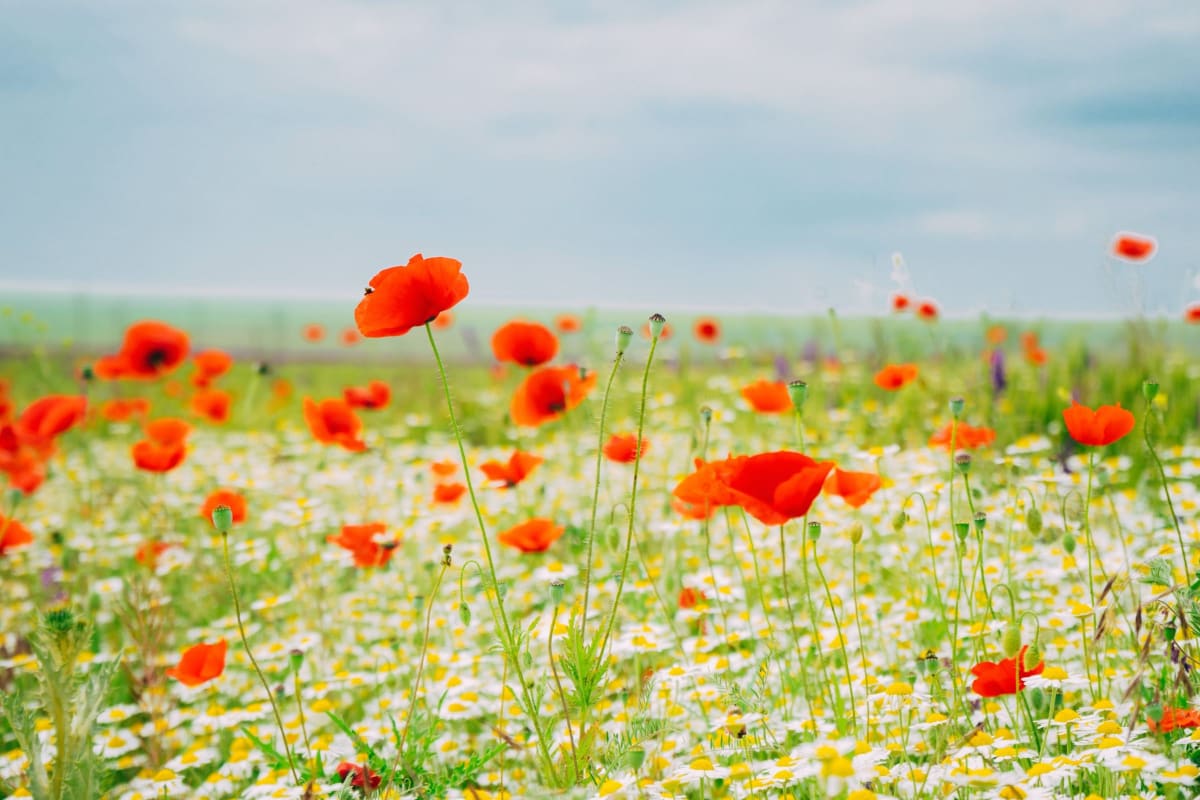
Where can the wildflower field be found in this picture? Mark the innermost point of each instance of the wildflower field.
(632, 563)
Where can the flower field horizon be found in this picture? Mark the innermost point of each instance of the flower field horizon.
(436, 552)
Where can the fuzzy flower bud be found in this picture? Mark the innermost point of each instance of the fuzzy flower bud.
(856, 532)
(1011, 640)
(899, 521)
(1150, 389)
(1069, 544)
(1033, 520)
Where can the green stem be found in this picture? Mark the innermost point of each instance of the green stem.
(587, 570)
(837, 624)
(1162, 474)
(237, 607)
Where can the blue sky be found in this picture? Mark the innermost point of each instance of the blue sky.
(767, 154)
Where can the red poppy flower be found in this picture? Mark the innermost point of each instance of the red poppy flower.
(23, 461)
(110, 368)
(512, 472)
(1174, 719)
(1097, 428)
(1036, 356)
(443, 320)
(363, 543)
(997, 334)
(351, 336)
(549, 392)
(1192, 314)
(314, 332)
(210, 365)
(994, 680)
(966, 437)
(527, 343)
(47, 417)
(768, 397)
(896, 376)
(707, 330)
(225, 497)
(148, 552)
(447, 493)
(199, 664)
(900, 302)
(690, 598)
(402, 298)
(771, 487)
(374, 396)
(444, 469)
(534, 536)
(855, 488)
(153, 456)
(1134, 247)
(167, 430)
(151, 349)
(332, 421)
(927, 310)
(121, 410)
(568, 323)
(13, 535)
(624, 448)
(212, 404)
(364, 777)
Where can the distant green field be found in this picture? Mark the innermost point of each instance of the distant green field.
(262, 328)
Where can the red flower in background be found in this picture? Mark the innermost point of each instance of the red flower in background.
(313, 332)
(363, 778)
(549, 392)
(200, 664)
(966, 437)
(771, 487)
(624, 448)
(928, 311)
(443, 321)
(900, 302)
(527, 343)
(896, 376)
(148, 552)
(1192, 314)
(855, 488)
(1134, 247)
(1097, 428)
(212, 404)
(332, 421)
(568, 323)
(690, 598)
(363, 543)
(164, 446)
(150, 349)
(707, 330)
(1174, 719)
(994, 680)
(512, 472)
(225, 497)
(374, 396)
(447, 493)
(399, 299)
(534, 536)
(768, 397)
(13, 535)
(210, 365)
(121, 410)
(46, 418)
(351, 336)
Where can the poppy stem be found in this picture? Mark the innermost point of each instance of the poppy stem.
(837, 624)
(506, 635)
(591, 540)
(562, 695)
(862, 649)
(416, 688)
(612, 617)
(237, 607)
(1162, 474)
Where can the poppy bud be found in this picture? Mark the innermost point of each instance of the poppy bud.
(799, 393)
(706, 414)
(1011, 640)
(263, 368)
(295, 660)
(1149, 390)
(637, 757)
(980, 522)
(814, 531)
(1069, 544)
(856, 532)
(87, 373)
(464, 613)
(657, 322)
(956, 406)
(899, 521)
(222, 518)
(962, 529)
(962, 460)
(1033, 520)
(624, 337)
(556, 592)
(1033, 654)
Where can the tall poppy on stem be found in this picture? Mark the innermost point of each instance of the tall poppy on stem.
(771, 487)
(401, 298)
(1098, 428)
(151, 349)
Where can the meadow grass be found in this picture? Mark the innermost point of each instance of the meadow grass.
(835, 655)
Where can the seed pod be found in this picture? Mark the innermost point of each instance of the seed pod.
(1033, 520)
